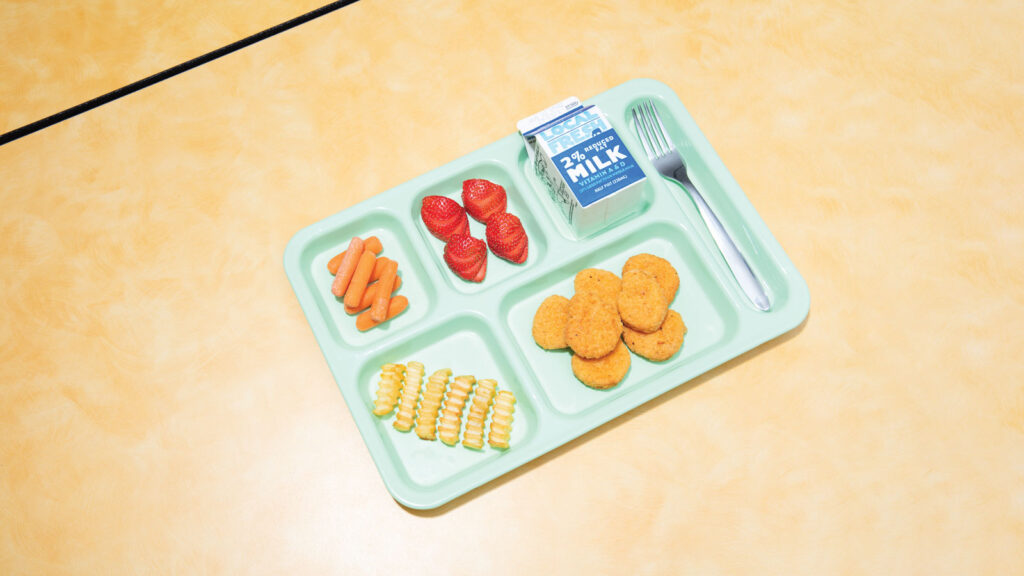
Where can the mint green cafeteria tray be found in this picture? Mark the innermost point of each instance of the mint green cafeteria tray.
(485, 329)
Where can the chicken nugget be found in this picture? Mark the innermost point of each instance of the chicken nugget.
(642, 303)
(549, 322)
(602, 282)
(602, 373)
(658, 267)
(661, 344)
(593, 326)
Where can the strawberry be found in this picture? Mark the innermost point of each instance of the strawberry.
(483, 198)
(506, 237)
(467, 257)
(444, 217)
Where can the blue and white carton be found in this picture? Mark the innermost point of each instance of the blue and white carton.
(585, 166)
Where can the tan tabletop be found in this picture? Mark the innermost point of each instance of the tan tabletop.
(164, 407)
(58, 54)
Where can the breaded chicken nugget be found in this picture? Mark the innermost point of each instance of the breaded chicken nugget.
(549, 322)
(593, 326)
(661, 344)
(605, 372)
(658, 267)
(642, 303)
(602, 282)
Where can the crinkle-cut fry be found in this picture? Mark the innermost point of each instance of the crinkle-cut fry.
(473, 437)
(451, 414)
(391, 376)
(430, 405)
(409, 396)
(501, 420)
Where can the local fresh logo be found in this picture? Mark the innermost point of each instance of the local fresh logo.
(575, 130)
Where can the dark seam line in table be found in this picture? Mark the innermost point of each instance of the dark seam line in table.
(170, 72)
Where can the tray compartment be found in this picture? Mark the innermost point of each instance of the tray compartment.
(450, 185)
(416, 284)
(710, 316)
(467, 345)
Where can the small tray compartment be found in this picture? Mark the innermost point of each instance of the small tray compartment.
(498, 269)
(417, 286)
(466, 345)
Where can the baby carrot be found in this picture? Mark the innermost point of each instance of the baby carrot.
(347, 267)
(372, 244)
(378, 268)
(379, 308)
(397, 305)
(370, 294)
(334, 263)
(360, 279)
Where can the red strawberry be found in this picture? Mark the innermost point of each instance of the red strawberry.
(467, 257)
(483, 198)
(506, 237)
(444, 217)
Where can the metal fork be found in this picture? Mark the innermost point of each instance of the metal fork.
(669, 163)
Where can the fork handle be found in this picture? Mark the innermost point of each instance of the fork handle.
(733, 257)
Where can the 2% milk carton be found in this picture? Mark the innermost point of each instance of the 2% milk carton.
(585, 166)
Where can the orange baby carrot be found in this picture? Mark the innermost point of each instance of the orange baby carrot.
(334, 263)
(370, 294)
(347, 267)
(360, 279)
(397, 305)
(372, 244)
(379, 308)
(378, 268)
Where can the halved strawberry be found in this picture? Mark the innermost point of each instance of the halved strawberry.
(483, 198)
(506, 237)
(467, 257)
(444, 217)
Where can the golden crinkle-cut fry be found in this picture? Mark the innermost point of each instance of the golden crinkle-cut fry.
(387, 390)
(478, 409)
(436, 409)
(430, 405)
(501, 421)
(409, 396)
(451, 414)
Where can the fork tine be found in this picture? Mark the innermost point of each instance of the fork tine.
(640, 134)
(663, 145)
(664, 132)
(641, 130)
(650, 130)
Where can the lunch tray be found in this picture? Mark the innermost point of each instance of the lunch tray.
(484, 329)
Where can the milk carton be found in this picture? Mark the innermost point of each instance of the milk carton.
(585, 166)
